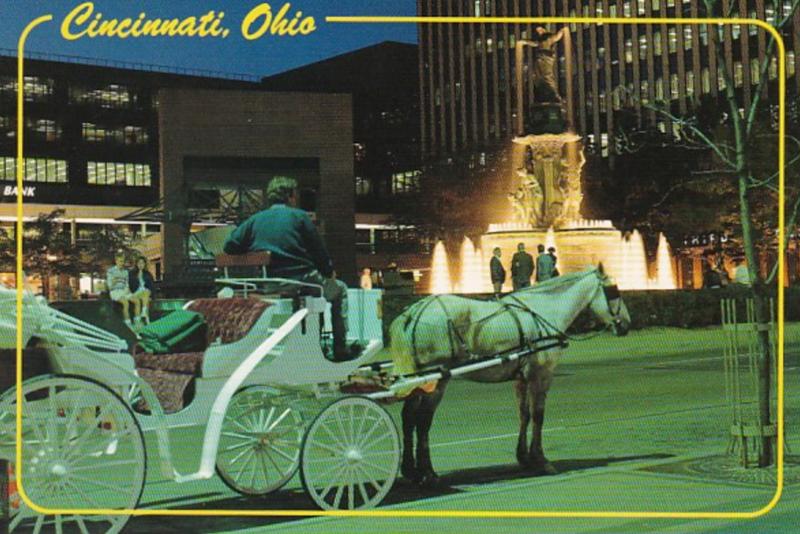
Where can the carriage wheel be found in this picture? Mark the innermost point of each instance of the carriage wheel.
(259, 447)
(82, 448)
(351, 455)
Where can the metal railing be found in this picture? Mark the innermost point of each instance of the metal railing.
(130, 65)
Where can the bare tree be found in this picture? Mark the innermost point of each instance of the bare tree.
(740, 157)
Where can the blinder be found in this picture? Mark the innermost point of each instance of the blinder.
(611, 292)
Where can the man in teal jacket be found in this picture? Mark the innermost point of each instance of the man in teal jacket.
(297, 250)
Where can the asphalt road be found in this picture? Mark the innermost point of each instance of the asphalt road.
(615, 406)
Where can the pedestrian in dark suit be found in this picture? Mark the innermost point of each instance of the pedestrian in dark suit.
(521, 268)
(497, 271)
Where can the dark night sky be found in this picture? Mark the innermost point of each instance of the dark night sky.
(267, 55)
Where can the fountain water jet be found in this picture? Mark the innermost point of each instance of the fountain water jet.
(665, 277)
(440, 278)
(471, 267)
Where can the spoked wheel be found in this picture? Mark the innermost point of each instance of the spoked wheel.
(82, 448)
(259, 449)
(351, 455)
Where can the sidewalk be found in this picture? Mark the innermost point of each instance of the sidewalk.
(621, 488)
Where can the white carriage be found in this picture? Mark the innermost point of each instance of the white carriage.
(256, 393)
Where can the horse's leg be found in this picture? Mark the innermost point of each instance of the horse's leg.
(427, 409)
(521, 390)
(410, 409)
(538, 391)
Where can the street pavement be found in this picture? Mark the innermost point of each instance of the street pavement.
(621, 413)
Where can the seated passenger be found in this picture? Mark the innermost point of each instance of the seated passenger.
(297, 250)
(119, 290)
(141, 285)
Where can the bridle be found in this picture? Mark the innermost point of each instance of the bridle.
(611, 293)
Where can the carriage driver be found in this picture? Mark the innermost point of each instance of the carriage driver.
(298, 252)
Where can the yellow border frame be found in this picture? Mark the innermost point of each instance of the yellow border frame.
(445, 513)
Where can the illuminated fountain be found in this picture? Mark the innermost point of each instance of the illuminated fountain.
(546, 210)
(547, 197)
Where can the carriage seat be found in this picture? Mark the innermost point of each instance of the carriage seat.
(170, 375)
(262, 259)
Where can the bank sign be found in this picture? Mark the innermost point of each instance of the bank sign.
(27, 191)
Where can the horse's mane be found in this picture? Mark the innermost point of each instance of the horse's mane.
(555, 284)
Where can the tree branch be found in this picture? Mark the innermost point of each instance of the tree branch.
(699, 133)
(789, 226)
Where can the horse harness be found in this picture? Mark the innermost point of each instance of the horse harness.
(541, 326)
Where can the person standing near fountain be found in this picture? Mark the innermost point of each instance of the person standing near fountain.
(545, 265)
(497, 271)
(521, 268)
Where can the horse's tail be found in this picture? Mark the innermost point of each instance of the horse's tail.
(401, 347)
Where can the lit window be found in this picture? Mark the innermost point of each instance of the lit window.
(704, 34)
(602, 102)
(109, 96)
(659, 89)
(662, 127)
(616, 100)
(645, 92)
(706, 79)
(604, 145)
(477, 8)
(673, 39)
(642, 46)
(787, 7)
(122, 135)
(689, 83)
(640, 7)
(673, 86)
(37, 89)
(404, 183)
(42, 129)
(721, 79)
(755, 71)
(687, 37)
(790, 67)
(41, 170)
(572, 25)
(657, 43)
(773, 68)
(656, 5)
(670, 3)
(363, 186)
(120, 174)
(738, 74)
(769, 13)
(736, 30)
(359, 151)
(752, 29)
(628, 50)
(626, 9)
(489, 46)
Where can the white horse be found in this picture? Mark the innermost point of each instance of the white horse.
(448, 330)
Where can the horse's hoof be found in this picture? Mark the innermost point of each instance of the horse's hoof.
(410, 473)
(544, 468)
(429, 480)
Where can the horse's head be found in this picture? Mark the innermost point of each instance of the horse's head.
(608, 305)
